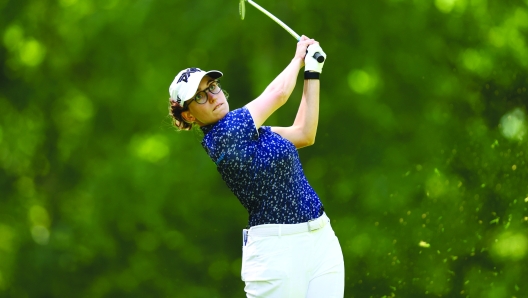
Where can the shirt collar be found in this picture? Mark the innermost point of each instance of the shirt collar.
(207, 128)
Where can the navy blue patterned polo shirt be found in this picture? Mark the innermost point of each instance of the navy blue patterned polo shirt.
(262, 169)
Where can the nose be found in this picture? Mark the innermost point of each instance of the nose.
(211, 97)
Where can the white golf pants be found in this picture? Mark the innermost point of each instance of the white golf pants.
(293, 260)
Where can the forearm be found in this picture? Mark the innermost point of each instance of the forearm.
(307, 117)
(284, 83)
(279, 90)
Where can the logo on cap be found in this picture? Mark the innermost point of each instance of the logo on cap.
(185, 76)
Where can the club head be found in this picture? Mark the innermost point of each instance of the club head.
(242, 8)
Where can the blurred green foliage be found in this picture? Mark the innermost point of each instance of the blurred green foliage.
(420, 159)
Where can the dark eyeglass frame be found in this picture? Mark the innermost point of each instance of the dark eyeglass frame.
(200, 99)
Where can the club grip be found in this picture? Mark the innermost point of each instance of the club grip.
(320, 58)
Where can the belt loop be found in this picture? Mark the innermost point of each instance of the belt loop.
(280, 231)
(244, 237)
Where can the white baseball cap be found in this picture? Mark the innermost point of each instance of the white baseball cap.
(186, 83)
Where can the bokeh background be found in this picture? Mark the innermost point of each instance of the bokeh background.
(420, 158)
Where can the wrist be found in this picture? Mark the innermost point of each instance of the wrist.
(311, 75)
(298, 62)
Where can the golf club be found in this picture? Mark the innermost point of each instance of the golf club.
(242, 10)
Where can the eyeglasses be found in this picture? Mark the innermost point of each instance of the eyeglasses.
(201, 97)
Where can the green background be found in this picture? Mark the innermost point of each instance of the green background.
(420, 157)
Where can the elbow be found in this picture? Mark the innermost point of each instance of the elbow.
(280, 94)
(309, 136)
(305, 142)
(310, 141)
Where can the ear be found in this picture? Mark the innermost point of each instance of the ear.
(187, 116)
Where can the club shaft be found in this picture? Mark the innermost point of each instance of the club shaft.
(295, 35)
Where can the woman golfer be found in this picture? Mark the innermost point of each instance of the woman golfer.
(289, 248)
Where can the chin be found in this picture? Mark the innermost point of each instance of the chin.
(223, 113)
(224, 109)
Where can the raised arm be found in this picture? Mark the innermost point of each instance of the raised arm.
(280, 89)
(302, 132)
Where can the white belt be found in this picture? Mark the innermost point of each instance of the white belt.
(288, 229)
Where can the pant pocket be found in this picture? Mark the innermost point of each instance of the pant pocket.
(265, 259)
(264, 268)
